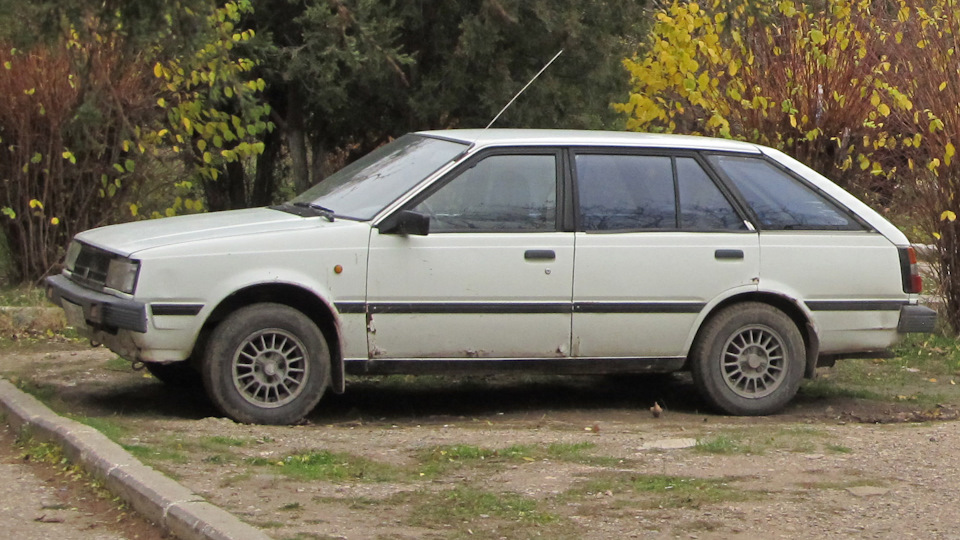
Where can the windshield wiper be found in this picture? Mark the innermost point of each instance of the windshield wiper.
(321, 211)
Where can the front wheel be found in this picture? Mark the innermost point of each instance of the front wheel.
(749, 360)
(266, 364)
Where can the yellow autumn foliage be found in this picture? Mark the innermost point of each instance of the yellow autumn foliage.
(782, 74)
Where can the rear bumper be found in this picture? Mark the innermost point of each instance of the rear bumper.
(916, 319)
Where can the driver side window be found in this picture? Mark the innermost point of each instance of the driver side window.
(509, 192)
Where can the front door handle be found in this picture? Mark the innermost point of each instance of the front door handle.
(728, 254)
(539, 255)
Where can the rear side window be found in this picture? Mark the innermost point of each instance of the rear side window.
(702, 206)
(622, 192)
(780, 201)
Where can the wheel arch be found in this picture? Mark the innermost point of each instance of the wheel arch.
(318, 309)
(787, 305)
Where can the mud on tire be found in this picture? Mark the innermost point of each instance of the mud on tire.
(748, 360)
(266, 364)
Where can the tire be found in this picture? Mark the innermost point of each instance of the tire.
(266, 364)
(749, 360)
(175, 374)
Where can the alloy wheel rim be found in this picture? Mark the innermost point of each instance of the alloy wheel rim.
(753, 362)
(270, 368)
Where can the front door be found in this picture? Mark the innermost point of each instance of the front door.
(493, 277)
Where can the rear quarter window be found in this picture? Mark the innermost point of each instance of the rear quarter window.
(779, 200)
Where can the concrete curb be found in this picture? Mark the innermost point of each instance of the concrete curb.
(158, 498)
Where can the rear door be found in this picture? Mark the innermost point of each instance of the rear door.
(814, 249)
(658, 239)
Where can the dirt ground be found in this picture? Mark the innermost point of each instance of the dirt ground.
(42, 500)
(525, 457)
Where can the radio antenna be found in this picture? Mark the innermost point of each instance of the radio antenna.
(507, 106)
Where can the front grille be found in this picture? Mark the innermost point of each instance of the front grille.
(91, 266)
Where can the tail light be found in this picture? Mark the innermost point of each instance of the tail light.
(912, 282)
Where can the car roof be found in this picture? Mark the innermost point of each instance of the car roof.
(573, 137)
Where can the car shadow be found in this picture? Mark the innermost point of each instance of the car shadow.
(406, 399)
(147, 398)
(436, 399)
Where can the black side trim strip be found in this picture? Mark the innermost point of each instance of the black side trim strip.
(189, 310)
(570, 366)
(351, 307)
(856, 305)
(465, 308)
(533, 308)
(638, 307)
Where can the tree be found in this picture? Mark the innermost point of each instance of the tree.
(70, 107)
(929, 37)
(810, 80)
(344, 76)
(330, 67)
(215, 115)
(865, 91)
(83, 119)
(472, 57)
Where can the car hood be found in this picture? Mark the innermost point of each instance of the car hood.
(129, 238)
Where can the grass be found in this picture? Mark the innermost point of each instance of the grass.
(155, 454)
(353, 503)
(117, 364)
(723, 444)
(23, 296)
(328, 466)
(661, 491)
(109, 426)
(841, 485)
(930, 353)
(925, 370)
(441, 459)
(310, 536)
(758, 440)
(466, 503)
(219, 440)
(44, 392)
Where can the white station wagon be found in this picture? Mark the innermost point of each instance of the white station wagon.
(483, 251)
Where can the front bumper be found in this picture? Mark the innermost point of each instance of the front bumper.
(98, 310)
(917, 319)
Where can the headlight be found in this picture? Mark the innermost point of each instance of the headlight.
(122, 275)
(73, 253)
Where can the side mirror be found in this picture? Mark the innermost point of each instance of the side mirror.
(406, 222)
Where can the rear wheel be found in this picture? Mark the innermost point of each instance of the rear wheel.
(266, 364)
(749, 360)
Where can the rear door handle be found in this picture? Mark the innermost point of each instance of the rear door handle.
(539, 255)
(728, 254)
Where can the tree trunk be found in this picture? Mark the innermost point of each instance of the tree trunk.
(236, 179)
(949, 270)
(318, 170)
(265, 179)
(297, 143)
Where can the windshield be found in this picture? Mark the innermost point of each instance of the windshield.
(366, 186)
